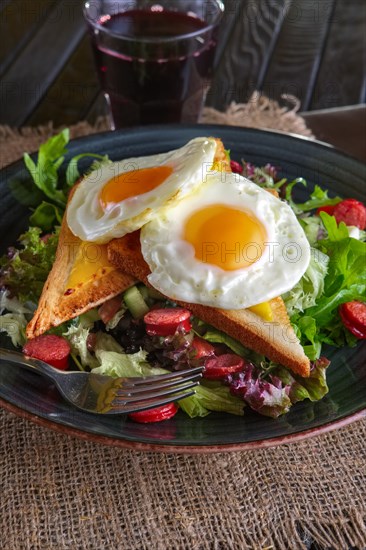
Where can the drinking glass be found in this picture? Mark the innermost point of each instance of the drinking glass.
(154, 58)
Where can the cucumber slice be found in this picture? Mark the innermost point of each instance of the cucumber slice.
(135, 302)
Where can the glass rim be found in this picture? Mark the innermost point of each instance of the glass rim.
(156, 40)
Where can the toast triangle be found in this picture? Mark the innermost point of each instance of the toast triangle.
(64, 294)
(276, 339)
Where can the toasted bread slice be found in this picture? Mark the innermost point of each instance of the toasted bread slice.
(276, 339)
(81, 278)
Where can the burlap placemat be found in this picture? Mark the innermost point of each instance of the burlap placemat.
(64, 493)
(259, 112)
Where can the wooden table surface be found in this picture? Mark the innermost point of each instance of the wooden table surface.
(313, 49)
(342, 127)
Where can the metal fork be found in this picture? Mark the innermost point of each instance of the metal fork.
(101, 394)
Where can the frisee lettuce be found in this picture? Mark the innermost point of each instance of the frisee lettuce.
(313, 228)
(25, 269)
(125, 365)
(310, 287)
(14, 325)
(345, 281)
(14, 317)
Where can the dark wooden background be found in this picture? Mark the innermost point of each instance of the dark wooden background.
(313, 49)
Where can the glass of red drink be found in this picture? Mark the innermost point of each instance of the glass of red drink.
(154, 58)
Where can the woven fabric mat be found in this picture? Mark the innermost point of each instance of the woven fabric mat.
(259, 112)
(64, 493)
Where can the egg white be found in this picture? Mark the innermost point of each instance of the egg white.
(90, 222)
(177, 273)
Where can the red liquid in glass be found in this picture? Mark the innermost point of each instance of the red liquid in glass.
(154, 82)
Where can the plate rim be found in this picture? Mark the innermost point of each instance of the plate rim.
(195, 448)
(182, 449)
(155, 127)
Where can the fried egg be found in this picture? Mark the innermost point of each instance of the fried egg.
(122, 196)
(229, 244)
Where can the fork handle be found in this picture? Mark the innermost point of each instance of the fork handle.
(35, 365)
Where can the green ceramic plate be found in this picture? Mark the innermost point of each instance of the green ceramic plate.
(34, 398)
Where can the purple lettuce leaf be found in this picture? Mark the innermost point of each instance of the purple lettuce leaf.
(280, 389)
(265, 396)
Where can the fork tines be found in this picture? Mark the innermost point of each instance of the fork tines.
(160, 386)
(154, 391)
(154, 380)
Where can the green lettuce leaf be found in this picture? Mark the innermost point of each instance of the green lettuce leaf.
(313, 227)
(14, 325)
(46, 216)
(26, 270)
(50, 184)
(125, 365)
(77, 335)
(306, 292)
(45, 171)
(314, 388)
(309, 336)
(14, 317)
(217, 398)
(345, 281)
(193, 406)
(319, 197)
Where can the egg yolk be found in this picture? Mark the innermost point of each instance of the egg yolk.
(223, 236)
(133, 183)
(90, 262)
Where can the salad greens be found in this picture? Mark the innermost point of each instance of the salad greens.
(14, 321)
(25, 270)
(319, 323)
(51, 186)
(319, 197)
(269, 388)
(336, 274)
(45, 171)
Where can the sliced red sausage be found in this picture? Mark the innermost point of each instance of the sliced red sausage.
(109, 309)
(164, 322)
(202, 348)
(155, 415)
(351, 212)
(50, 348)
(353, 315)
(217, 368)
